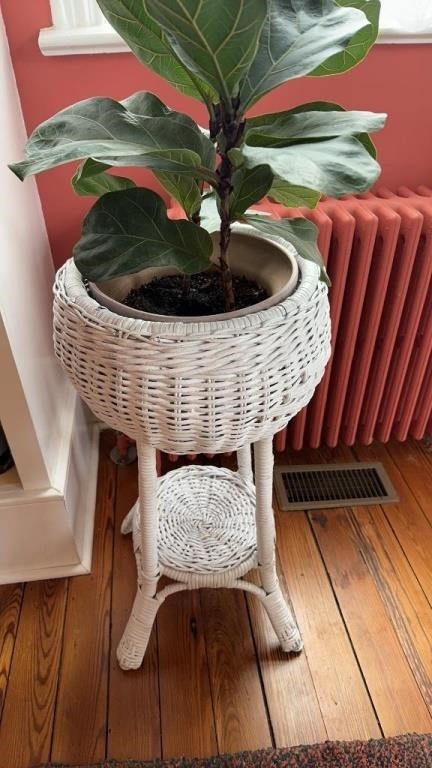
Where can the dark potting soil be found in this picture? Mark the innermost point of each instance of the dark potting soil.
(163, 295)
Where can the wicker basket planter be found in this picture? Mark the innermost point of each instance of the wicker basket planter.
(198, 387)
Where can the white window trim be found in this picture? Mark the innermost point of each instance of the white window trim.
(80, 27)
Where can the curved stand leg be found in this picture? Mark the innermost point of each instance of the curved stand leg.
(273, 600)
(133, 644)
(127, 524)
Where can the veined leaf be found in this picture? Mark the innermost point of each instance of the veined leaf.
(293, 196)
(129, 230)
(91, 178)
(297, 38)
(301, 233)
(249, 186)
(216, 41)
(150, 45)
(314, 106)
(334, 167)
(145, 104)
(310, 122)
(359, 45)
(103, 129)
(184, 189)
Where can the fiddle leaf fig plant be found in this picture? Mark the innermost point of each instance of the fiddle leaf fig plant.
(227, 54)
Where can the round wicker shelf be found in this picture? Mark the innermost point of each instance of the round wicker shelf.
(206, 524)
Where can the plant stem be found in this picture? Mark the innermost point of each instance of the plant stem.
(232, 129)
(186, 286)
(186, 283)
(224, 190)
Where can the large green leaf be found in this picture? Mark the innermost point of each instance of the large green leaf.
(103, 129)
(334, 167)
(129, 230)
(215, 39)
(301, 233)
(292, 195)
(296, 39)
(182, 188)
(310, 122)
(359, 45)
(315, 106)
(150, 45)
(91, 178)
(249, 186)
(146, 104)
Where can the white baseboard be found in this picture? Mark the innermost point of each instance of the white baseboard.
(48, 534)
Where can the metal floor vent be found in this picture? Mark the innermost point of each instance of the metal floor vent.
(333, 485)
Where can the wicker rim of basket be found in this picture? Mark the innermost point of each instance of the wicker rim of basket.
(71, 286)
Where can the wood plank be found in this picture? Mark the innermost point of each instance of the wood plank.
(345, 705)
(187, 720)
(292, 701)
(28, 714)
(289, 691)
(133, 714)
(404, 599)
(10, 606)
(80, 721)
(396, 697)
(414, 462)
(407, 518)
(239, 707)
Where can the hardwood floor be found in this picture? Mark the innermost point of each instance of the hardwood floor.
(214, 680)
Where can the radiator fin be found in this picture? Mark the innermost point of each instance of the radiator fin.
(378, 383)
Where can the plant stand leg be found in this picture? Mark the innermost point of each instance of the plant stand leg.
(244, 462)
(133, 644)
(278, 612)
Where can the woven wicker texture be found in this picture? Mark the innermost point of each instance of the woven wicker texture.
(194, 387)
(206, 525)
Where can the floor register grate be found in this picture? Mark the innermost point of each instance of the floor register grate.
(338, 485)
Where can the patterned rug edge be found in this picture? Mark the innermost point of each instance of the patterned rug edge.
(406, 751)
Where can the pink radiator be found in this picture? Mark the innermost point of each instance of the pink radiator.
(378, 383)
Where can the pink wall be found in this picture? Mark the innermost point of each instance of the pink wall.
(394, 79)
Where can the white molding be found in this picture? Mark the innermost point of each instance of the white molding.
(46, 520)
(79, 26)
(64, 42)
(49, 533)
(404, 38)
(67, 14)
(406, 22)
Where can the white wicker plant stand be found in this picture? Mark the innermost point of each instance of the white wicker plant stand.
(198, 387)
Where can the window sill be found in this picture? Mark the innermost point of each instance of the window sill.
(63, 42)
(102, 39)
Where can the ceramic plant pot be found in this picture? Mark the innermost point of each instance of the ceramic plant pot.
(270, 262)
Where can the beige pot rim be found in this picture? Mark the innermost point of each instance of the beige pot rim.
(278, 273)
